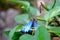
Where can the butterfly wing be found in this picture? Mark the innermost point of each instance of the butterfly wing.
(35, 25)
(27, 27)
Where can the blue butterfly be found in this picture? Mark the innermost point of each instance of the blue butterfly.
(27, 28)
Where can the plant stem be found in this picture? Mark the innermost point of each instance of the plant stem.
(41, 19)
(45, 7)
(54, 3)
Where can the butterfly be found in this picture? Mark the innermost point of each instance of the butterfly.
(28, 28)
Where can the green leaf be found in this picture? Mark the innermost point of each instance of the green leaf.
(25, 37)
(57, 3)
(12, 32)
(22, 19)
(52, 4)
(43, 33)
(55, 30)
(52, 13)
(16, 35)
(41, 22)
(34, 11)
(40, 34)
(26, 4)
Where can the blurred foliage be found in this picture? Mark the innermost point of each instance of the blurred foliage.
(41, 34)
(45, 24)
